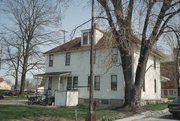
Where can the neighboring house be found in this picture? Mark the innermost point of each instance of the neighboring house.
(67, 71)
(4, 85)
(168, 70)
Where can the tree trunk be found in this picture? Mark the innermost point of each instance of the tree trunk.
(128, 78)
(177, 72)
(24, 69)
(139, 78)
(16, 81)
(23, 76)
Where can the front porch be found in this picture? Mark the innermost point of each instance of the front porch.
(63, 86)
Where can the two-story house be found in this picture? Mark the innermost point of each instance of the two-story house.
(67, 71)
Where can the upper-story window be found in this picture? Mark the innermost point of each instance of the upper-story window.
(50, 60)
(68, 58)
(114, 55)
(86, 39)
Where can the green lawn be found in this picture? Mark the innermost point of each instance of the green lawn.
(19, 111)
(155, 107)
(1, 91)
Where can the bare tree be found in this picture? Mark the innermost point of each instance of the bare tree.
(155, 18)
(13, 53)
(32, 20)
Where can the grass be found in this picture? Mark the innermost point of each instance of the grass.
(19, 111)
(1, 91)
(155, 107)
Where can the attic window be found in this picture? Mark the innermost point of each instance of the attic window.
(85, 38)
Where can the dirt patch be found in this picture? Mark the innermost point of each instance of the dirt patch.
(44, 118)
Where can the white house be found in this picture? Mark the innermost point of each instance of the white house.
(4, 85)
(67, 71)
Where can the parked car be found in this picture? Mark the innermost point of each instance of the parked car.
(11, 93)
(174, 107)
(7, 93)
(1, 97)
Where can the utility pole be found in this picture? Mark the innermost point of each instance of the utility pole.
(91, 112)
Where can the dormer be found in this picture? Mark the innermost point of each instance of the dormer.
(86, 36)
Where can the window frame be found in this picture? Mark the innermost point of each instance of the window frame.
(87, 38)
(97, 83)
(68, 58)
(71, 83)
(112, 83)
(114, 55)
(75, 87)
(51, 58)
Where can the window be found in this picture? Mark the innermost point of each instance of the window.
(114, 55)
(104, 101)
(69, 83)
(72, 84)
(89, 37)
(97, 83)
(154, 62)
(144, 89)
(50, 83)
(114, 82)
(155, 85)
(85, 38)
(88, 83)
(68, 57)
(75, 82)
(51, 60)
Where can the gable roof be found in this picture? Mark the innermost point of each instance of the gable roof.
(75, 44)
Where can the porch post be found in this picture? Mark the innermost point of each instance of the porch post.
(59, 84)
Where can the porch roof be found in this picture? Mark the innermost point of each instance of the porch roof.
(54, 74)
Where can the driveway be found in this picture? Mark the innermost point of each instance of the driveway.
(163, 115)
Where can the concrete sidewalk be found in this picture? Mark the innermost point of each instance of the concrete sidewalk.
(143, 115)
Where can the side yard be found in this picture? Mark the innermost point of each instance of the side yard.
(20, 111)
(103, 113)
